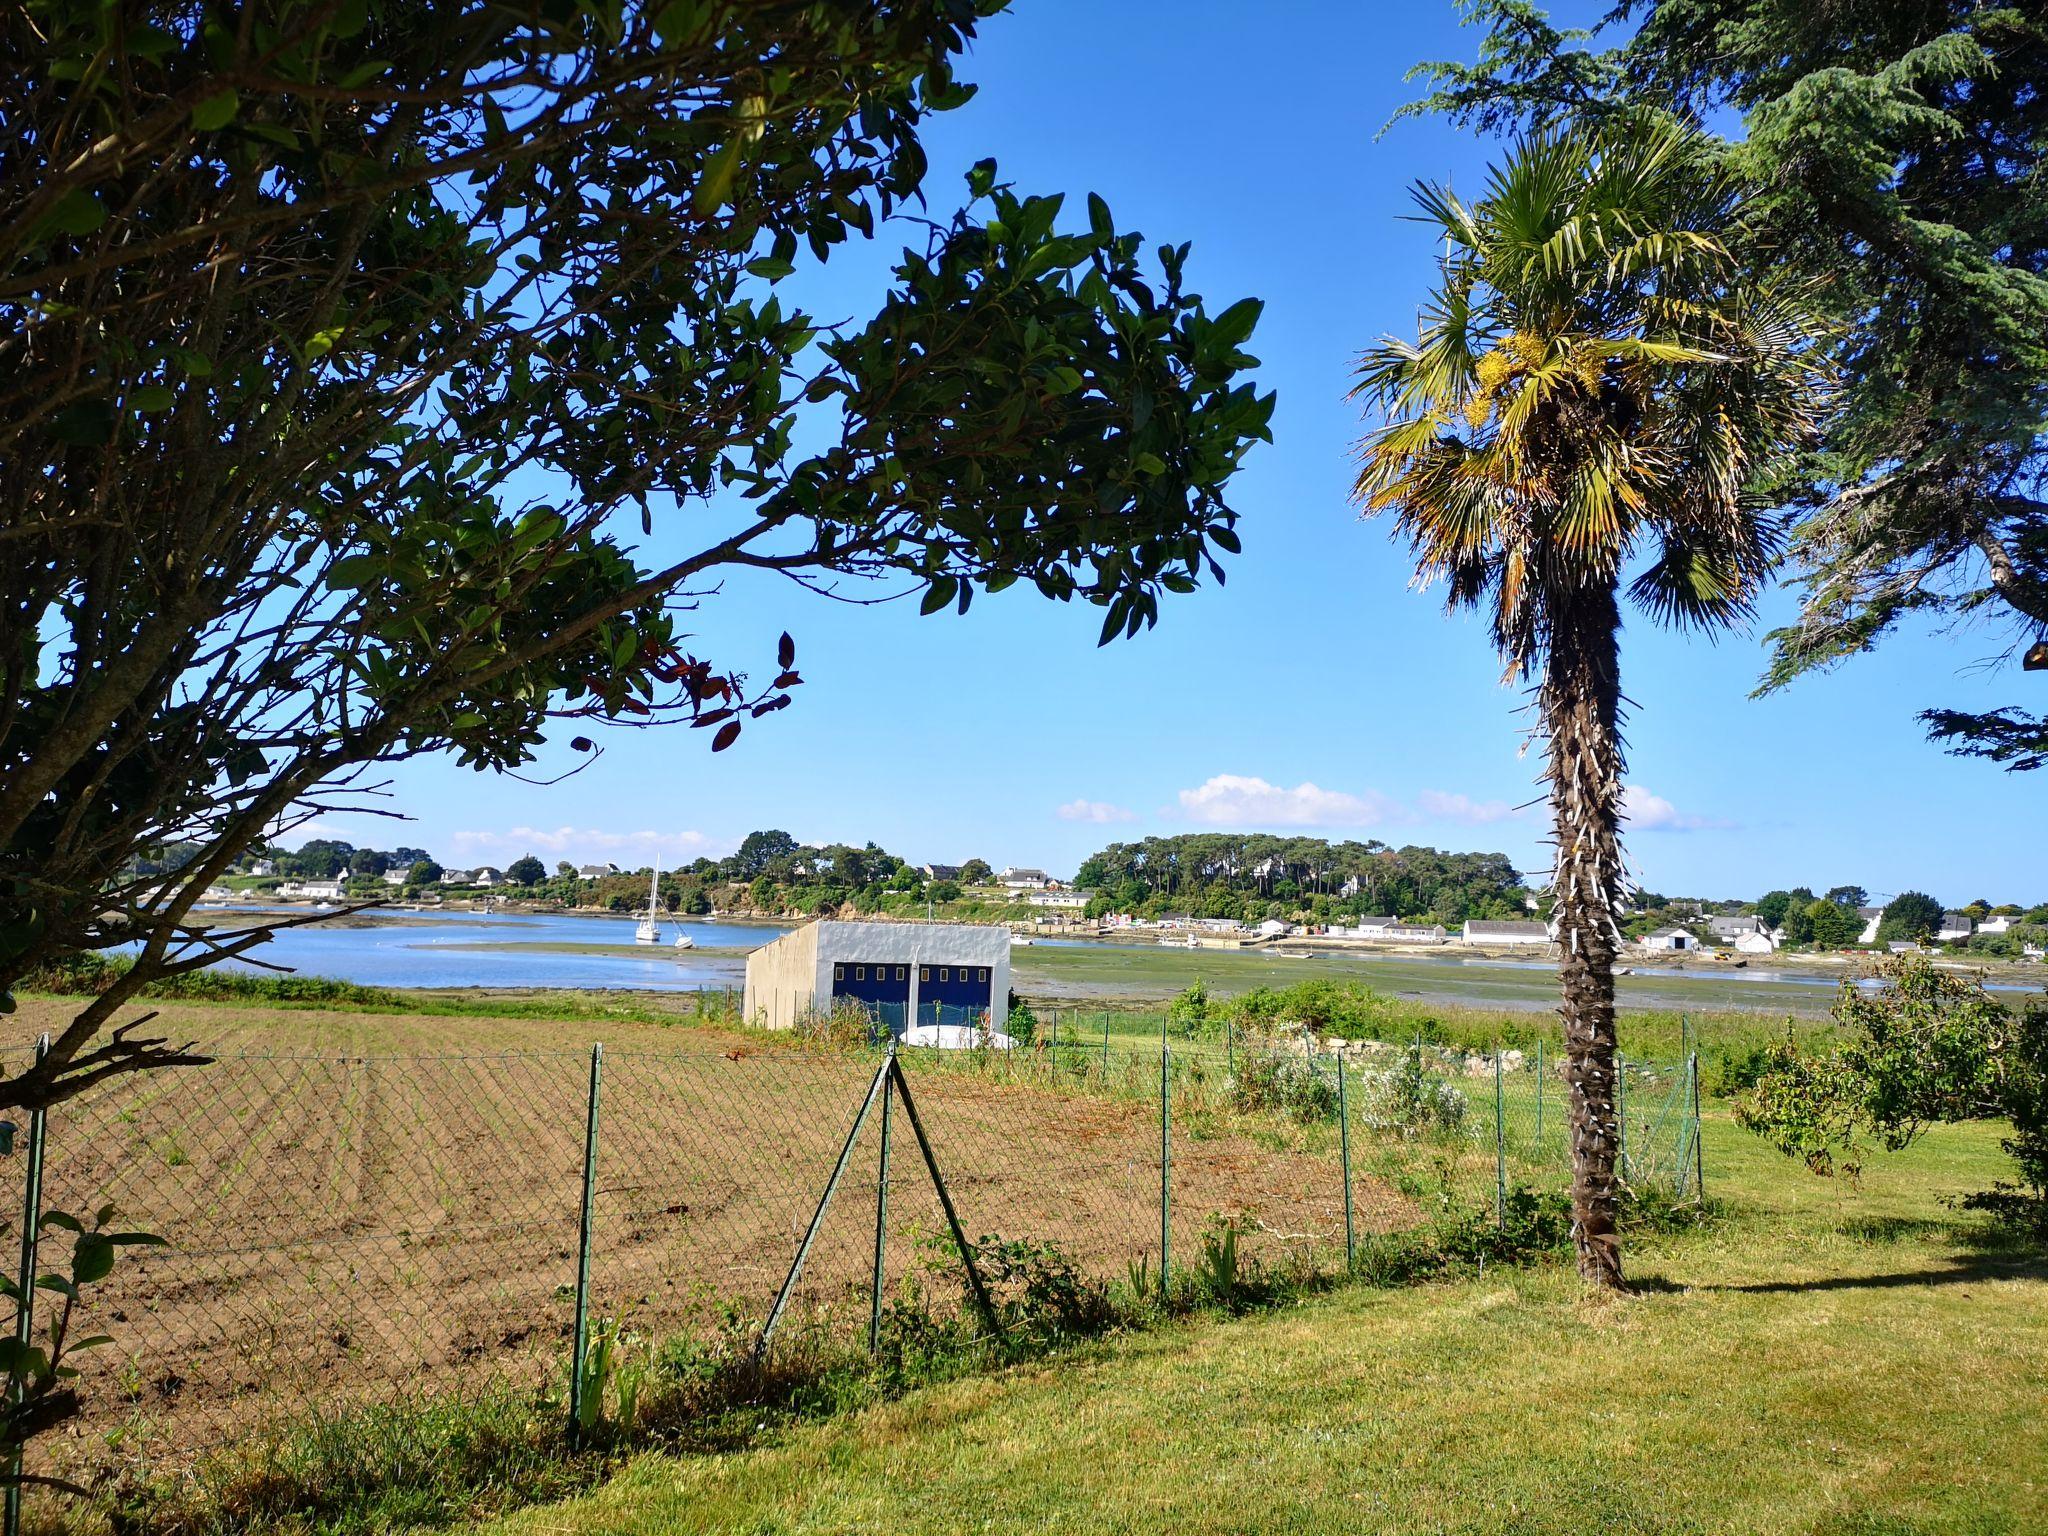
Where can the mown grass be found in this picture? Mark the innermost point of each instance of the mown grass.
(1822, 1358)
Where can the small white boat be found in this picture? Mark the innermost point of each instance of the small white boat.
(648, 929)
(683, 941)
(1021, 941)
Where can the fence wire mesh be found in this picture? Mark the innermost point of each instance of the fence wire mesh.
(352, 1229)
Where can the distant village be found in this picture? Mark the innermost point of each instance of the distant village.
(1249, 891)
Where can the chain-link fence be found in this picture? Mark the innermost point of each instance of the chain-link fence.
(344, 1229)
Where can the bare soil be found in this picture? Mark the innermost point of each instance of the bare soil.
(362, 1206)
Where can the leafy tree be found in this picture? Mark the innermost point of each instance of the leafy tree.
(757, 851)
(1830, 925)
(368, 861)
(347, 346)
(1593, 381)
(1931, 1047)
(320, 859)
(564, 870)
(976, 872)
(1798, 915)
(1899, 154)
(1850, 896)
(1771, 908)
(526, 871)
(943, 891)
(1911, 915)
(423, 872)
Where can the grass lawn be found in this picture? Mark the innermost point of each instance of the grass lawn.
(1826, 1359)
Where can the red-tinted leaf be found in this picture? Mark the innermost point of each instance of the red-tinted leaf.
(711, 717)
(727, 735)
(581, 744)
(787, 680)
(785, 653)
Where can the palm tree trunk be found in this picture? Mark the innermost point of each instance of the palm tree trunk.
(1581, 708)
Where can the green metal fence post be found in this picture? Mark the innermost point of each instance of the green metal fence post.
(1344, 1153)
(1500, 1142)
(1230, 1045)
(1105, 1047)
(1165, 1175)
(1539, 1096)
(882, 1217)
(583, 1231)
(31, 1236)
(1699, 1155)
(1621, 1113)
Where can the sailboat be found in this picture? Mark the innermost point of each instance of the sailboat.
(647, 930)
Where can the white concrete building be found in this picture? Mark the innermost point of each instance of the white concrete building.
(1503, 933)
(1758, 943)
(394, 876)
(1997, 922)
(1731, 929)
(934, 973)
(1016, 879)
(314, 890)
(1670, 940)
(1072, 901)
(1954, 926)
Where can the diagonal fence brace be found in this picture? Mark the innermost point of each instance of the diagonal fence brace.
(931, 1163)
(796, 1267)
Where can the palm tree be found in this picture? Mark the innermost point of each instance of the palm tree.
(1596, 393)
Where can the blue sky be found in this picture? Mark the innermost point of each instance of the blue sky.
(1316, 692)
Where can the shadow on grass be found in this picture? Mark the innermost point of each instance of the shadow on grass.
(1976, 1267)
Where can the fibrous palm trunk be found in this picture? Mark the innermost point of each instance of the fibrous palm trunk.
(1581, 708)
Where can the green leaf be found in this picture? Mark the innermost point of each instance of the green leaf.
(353, 572)
(719, 173)
(216, 111)
(1235, 324)
(153, 397)
(77, 212)
(981, 178)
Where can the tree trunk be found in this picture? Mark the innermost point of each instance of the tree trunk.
(1581, 707)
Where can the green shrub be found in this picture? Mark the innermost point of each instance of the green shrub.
(1188, 1015)
(1411, 1100)
(1289, 1085)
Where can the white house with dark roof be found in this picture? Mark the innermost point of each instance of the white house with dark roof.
(1955, 926)
(1670, 940)
(1017, 879)
(1733, 928)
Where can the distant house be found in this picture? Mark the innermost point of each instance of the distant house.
(1273, 928)
(1871, 916)
(314, 890)
(1412, 933)
(939, 871)
(1219, 925)
(1500, 932)
(1017, 879)
(394, 877)
(1998, 922)
(1954, 926)
(1068, 900)
(1733, 928)
(1758, 943)
(1670, 940)
(1350, 887)
(263, 867)
(1903, 947)
(485, 874)
(455, 877)
(596, 871)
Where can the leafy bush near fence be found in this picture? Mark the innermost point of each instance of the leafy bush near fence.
(1281, 1084)
(1410, 1100)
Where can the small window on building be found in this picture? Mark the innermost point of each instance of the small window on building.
(924, 973)
(945, 974)
(982, 974)
(839, 973)
(860, 973)
(901, 973)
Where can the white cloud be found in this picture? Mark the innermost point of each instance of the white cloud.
(1439, 805)
(1094, 810)
(1645, 812)
(580, 843)
(1235, 800)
